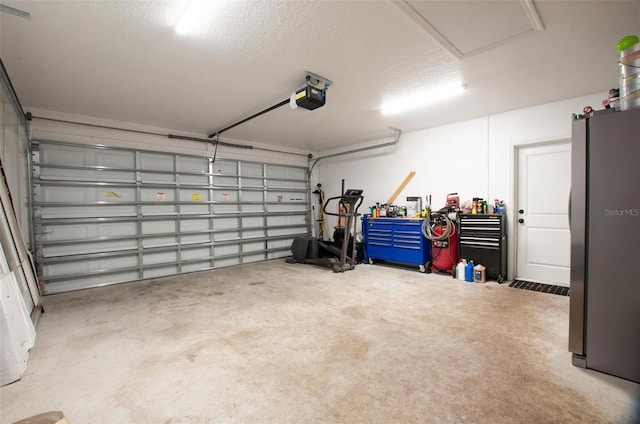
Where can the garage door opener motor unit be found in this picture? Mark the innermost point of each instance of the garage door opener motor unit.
(308, 97)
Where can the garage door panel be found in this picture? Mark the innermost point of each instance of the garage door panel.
(87, 212)
(160, 257)
(89, 266)
(249, 257)
(253, 209)
(285, 173)
(252, 170)
(204, 237)
(85, 174)
(158, 227)
(158, 210)
(196, 225)
(254, 247)
(64, 232)
(162, 178)
(156, 161)
(73, 156)
(286, 208)
(201, 253)
(194, 180)
(225, 181)
(94, 280)
(69, 193)
(224, 223)
(196, 266)
(222, 167)
(222, 208)
(286, 220)
(81, 233)
(194, 209)
(286, 196)
(252, 183)
(157, 194)
(193, 164)
(220, 263)
(84, 248)
(170, 240)
(252, 222)
(283, 184)
(162, 271)
(226, 236)
(278, 232)
(280, 244)
(228, 250)
(279, 254)
(108, 215)
(221, 195)
(252, 196)
(249, 234)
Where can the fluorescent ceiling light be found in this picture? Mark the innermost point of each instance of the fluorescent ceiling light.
(195, 15)
(422, 98)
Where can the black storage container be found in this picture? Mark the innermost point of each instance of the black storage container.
(483, 239)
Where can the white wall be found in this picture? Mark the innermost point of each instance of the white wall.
(473, 158)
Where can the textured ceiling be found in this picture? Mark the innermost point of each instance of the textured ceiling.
(485, 24)
(123, 60)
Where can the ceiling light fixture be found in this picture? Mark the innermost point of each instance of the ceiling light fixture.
(195, 13)
(422, 98)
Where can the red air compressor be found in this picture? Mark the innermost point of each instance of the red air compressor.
(443, 233)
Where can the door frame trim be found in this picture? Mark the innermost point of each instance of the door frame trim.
(512, 216)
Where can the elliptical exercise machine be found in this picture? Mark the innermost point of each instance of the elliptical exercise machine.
(311, 250)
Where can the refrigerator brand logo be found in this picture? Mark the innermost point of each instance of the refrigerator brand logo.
(622, 212)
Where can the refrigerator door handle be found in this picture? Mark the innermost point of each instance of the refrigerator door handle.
(569, 209)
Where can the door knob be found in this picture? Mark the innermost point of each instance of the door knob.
(521, 211)
(521, 221)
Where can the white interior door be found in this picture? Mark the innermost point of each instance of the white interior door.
(542, 224)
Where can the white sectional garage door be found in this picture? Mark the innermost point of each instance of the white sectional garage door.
(109, 215)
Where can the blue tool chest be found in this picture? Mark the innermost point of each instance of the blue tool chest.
(396, 240)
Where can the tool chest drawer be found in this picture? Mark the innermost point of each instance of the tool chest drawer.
(395, 240)
(483, 239)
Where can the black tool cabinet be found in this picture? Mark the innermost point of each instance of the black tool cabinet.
(483, 239)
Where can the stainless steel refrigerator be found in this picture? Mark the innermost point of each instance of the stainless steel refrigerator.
(604, 321)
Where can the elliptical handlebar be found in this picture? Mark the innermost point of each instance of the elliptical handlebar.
(353, 198)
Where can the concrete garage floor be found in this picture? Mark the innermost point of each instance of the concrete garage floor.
(280, 343)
